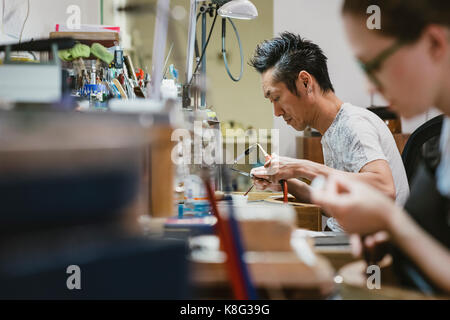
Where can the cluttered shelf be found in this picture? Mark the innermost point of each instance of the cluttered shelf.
(107, 39)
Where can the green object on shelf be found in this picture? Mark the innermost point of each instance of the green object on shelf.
(78, 51)
(102, 53)
(65, 55)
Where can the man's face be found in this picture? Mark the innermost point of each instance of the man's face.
(291, 107)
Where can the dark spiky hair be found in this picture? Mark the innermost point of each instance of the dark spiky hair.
(289, 54)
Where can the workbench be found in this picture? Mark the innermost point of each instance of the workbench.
(275, 274)
(335, 273)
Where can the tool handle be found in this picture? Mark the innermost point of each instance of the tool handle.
(245, 194)
(284, 187)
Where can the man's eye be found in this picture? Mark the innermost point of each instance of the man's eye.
(276, 99)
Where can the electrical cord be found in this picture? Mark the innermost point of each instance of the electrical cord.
(197, 51)
(204, 49)
(25, 21)
(3, 14)
(224, 53)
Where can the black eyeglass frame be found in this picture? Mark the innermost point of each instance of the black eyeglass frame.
(376, 63)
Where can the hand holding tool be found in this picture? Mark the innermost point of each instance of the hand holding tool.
(283, 182)
(267, 157)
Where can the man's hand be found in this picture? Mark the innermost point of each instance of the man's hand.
(276, 168)
(265, 185)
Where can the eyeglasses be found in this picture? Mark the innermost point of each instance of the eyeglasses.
(375, 63)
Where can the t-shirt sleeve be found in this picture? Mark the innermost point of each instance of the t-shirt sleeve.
(364, 145)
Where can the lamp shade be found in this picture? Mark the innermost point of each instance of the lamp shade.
(238, 9)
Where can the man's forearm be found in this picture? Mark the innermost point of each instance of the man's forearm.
(310, 170)
(300, 190)
(375, 180)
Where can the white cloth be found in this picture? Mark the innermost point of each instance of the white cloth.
(356, 137)
(443, 170)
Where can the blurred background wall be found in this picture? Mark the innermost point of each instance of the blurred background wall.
(44, 14)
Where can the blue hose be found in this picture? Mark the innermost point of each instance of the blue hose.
(224, 50)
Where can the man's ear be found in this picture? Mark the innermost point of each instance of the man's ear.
(304, 81)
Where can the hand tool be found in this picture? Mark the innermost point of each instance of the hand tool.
(283, 183)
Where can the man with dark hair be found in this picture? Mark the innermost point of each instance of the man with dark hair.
(355, 141)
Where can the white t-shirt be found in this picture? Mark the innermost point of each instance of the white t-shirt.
(356, 137)
(443, 170)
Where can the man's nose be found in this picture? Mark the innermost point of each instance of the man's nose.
(277, 110)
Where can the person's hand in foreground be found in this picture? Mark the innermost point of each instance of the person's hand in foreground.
(358, 207)
(363, 210)
(373, 248)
